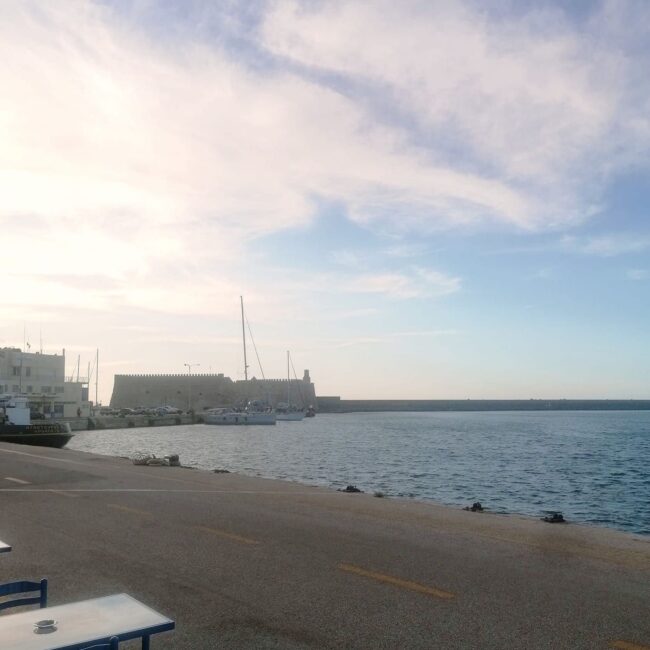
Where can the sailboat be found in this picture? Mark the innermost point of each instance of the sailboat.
(255, 412)
(286, 411)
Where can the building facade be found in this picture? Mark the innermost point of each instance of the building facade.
(41, 379)
(198, 392)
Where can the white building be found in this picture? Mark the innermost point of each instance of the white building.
(41, 379)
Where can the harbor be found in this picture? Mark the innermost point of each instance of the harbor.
(325, 325)
(244, 562)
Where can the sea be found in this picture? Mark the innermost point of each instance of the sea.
(593, 466)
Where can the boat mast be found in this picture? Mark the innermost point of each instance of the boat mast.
(288, 383)
(243, 332)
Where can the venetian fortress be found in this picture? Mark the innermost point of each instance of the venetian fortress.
(197, 392)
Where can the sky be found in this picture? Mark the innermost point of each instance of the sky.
(419, 199)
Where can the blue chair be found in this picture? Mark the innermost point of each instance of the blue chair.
(24, 586)
(111, 645)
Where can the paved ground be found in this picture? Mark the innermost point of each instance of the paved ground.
(247, 563)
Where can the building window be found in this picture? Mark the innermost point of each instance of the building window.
(28, 372)
(15, 388)
(30, 389)
(58, 389)
(46, 389)
(58, 409)
(16, 371)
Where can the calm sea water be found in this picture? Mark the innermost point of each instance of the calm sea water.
(593, 466)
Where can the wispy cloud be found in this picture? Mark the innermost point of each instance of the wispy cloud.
(530, 99)
(388, 337)
(638, 274)
(350, 259)
(144, 160)
(418, 283)
(608, 245)
(424, 333)
(406, 250)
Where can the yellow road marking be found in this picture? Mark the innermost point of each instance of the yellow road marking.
(16, 480)
(227, 535)
(65, 494)
(625, 645)
(397, 582)
(133, 511)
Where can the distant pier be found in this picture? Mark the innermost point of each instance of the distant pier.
(335, 404)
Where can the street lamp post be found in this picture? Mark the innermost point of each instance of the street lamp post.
(189, 387)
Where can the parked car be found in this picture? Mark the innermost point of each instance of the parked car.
(168, 410)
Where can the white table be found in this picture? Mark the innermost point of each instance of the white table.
(82, 624)
(4, 548)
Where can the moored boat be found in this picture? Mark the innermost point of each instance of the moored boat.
(16, 425)
(255, 412)
(286, 411)
(290, 416)
(243, 416)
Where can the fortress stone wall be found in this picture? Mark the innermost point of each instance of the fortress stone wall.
(201, 391)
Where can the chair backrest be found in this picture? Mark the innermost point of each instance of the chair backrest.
(21, 587)
(111, 645)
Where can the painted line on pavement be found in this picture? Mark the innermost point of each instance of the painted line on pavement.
(626, 645)
(397, 582)
(17, 480)
(180, 491)
(227, 535)
(63, 493)
(133, 511)
(58, 460)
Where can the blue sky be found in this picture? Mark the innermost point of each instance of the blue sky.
(419, 199)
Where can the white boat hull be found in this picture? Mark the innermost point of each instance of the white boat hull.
(235, 418)
(291, 417)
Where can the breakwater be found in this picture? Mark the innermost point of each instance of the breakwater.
(338, 405)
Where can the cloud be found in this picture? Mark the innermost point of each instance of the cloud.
(406, 250)
(141, 172)
(424, 333)
(638, 274)
(142, 166)
(418, 283)
(384, 338)
(530, 100)
(609, 245)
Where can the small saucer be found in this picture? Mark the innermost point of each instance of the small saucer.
(45, 626)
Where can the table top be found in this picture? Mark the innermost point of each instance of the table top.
(4, 548)
(82, 623)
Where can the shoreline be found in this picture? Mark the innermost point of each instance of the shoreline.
(523, 524)
(370, 490)
(250, 562)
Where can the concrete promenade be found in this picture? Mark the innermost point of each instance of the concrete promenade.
(240, 562)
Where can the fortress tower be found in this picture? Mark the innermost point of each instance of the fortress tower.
(201, 391)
